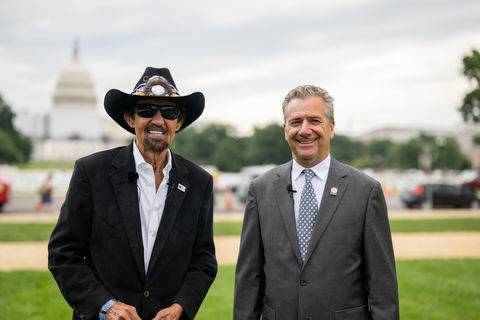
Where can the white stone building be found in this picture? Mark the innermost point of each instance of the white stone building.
(73, 128)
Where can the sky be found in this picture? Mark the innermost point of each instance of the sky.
(387, 63)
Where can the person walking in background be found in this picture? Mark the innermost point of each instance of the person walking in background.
(134, 239)
(45, 195)
(316, 242)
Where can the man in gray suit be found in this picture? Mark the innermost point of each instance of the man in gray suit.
(316, 241)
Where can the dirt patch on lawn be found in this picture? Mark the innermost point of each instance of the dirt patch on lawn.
(23, 255)
(436, 245)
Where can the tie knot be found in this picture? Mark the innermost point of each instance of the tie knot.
(308, 174)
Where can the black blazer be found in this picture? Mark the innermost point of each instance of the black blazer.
(96, 249)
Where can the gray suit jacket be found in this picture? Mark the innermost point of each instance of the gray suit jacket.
(349, 270)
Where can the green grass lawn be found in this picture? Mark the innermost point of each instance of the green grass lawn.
(435, 225)
(31, 295)
(439, 289)
(46, 165)
(226, 228)
(25, 231)
(42, 231)
(428, 289)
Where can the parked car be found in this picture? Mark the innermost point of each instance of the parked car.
(4, 192)
(474, 185)
(444, 195)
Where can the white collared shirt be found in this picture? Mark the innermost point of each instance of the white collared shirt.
(151, 201)
(318, 182)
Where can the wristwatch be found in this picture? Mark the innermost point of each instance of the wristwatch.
(107, 306)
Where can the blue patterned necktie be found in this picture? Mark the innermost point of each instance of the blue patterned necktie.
(307, 213)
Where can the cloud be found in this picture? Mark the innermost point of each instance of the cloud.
(385, 62)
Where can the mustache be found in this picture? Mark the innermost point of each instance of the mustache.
(156, 128)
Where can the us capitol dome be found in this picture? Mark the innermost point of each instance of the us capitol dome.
(74, 111)
(73, 128)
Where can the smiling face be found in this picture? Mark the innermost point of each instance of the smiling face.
(307, 130)
(153, 134)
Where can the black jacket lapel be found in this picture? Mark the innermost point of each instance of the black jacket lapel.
(127, 197)
(177, 190)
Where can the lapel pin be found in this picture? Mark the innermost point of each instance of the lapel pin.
(181, 187)
(334, 191)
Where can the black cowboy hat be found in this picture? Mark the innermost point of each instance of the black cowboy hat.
(155, 83)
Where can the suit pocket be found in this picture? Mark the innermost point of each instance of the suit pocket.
(185, 228)
(111, 216)
(358, 313)
(268, 313)
(344, 222)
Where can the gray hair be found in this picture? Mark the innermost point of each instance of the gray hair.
(307, 91)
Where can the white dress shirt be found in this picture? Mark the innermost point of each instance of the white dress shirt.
(151, 201)
(318, 182)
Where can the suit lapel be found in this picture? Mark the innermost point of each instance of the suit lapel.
(127, 197)
(175, 198)
(285, 205)
(329, 204)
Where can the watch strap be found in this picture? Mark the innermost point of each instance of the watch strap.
(107, 306)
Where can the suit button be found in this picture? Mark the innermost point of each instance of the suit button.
(146, 294)
(303, 282)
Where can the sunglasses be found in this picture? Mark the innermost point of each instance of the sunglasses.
(149, 111)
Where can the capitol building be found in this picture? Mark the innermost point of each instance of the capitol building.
(73, 128)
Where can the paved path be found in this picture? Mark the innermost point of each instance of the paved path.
(431, 245)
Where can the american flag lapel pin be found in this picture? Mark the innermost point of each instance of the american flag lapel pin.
(181, 187)
(334, 191)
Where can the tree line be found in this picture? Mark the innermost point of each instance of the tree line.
(218, 145)
(470, 108)
(14, 146)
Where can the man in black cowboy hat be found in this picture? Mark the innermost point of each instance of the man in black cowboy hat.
(134, 237)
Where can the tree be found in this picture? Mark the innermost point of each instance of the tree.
(15, 147)
(405, 155)
(346, 150)
(378, 152)
(215, 144)
(470, 108)
(9, 153)
(447, 154)
(229, 154)
(268, 146)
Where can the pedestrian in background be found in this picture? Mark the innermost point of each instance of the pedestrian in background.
(45, 196)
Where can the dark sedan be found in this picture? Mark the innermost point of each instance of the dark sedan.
(444, 195)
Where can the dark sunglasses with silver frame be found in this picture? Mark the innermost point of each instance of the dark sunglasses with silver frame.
(149, 111)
